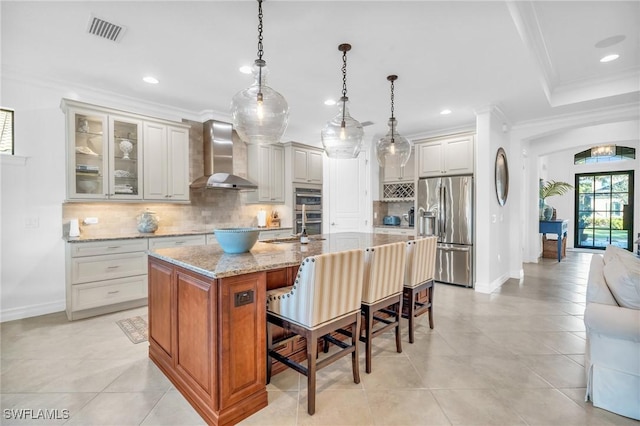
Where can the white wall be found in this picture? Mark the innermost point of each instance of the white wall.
(493, 231)
(550, 147)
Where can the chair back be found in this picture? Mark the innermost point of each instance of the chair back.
(384, 268)
(327, 287)
(421, 261)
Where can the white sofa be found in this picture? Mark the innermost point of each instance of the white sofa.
(612, 320)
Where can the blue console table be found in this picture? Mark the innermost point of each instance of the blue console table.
(558, 227)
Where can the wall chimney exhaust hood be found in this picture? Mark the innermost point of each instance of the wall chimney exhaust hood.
(218, 159)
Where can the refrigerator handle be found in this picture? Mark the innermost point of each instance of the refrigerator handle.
(444, 211)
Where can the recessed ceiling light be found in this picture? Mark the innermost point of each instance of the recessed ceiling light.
(151, 80)
(610, 58)
(329, 102)
(445, 111)
(245, 69)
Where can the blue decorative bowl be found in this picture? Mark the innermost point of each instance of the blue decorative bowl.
(236, 240)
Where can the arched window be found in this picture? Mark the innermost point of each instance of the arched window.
(604, 154)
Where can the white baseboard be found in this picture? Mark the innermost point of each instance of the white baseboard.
(492, 286)
(32, 311)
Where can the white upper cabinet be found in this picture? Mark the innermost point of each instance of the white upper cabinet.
(114, 155)
(266, 169)
(104, 155)
(445, 156)
(306, 164)
(166, 162)
(392, 172)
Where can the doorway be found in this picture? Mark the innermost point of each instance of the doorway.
(604, 210)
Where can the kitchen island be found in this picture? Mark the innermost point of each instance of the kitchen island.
(207, 317)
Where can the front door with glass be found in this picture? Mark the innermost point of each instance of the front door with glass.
(604, 210)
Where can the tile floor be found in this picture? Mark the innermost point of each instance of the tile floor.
(514, 357)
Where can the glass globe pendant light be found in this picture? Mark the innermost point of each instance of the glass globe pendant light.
(259, 113)
(393, 146)
(342, 135)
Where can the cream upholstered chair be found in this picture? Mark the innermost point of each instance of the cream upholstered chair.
(324, 298)
(419, 274)
(384, 268)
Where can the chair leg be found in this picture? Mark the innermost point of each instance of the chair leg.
(312, 354)
(398, 318)
(355, 338)
(269, 347)
(430, 301)
(368, 328)
(411, 312)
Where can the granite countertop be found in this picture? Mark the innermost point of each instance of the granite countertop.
(212, 262)
(88, 237)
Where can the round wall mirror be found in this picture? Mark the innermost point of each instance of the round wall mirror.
(502, 176)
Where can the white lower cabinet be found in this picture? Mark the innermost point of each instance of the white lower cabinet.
(181, 241)
(394, 231)
(105, 276)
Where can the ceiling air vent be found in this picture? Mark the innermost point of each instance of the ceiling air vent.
(105, 29)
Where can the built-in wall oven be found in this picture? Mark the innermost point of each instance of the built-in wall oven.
(308, 198)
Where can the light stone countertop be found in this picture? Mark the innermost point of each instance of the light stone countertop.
(88, 237)
(212, 262)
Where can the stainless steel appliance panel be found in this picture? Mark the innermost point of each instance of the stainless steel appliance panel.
(454, 264)
(445, 209)
(456, 211)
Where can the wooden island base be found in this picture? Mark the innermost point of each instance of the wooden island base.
(208, 337)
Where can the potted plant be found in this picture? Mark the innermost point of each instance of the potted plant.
(548, 189)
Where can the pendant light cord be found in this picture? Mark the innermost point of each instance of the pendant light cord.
(393, 120)
(344, 86)
(260, 62)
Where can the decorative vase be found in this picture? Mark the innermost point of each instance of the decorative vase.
(148, 222)
(547, 212)
(126, 147)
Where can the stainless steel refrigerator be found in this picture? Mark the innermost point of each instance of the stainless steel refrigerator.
(445, 209)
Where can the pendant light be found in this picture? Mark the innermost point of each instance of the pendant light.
(259, 113)
(393, 147)
(342, 135)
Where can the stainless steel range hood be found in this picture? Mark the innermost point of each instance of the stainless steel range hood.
(218, 159)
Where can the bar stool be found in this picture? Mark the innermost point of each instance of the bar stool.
(324, 298)
(384, 269)
(419, 274)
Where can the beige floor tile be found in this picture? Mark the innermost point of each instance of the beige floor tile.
(288, 380)
(506, 372)
(563, 342)
(448, 372)
(520, 342)
(336, 407)
(129, 408)
(476, 407)
(172, 410)
(607, 417)
(473, 343)
(391, 373)
(558, 370)
(282, 411)
(405, 407)
(140, 376)
(546, 407)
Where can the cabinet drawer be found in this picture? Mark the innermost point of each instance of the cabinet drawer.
(99, 268)
(107, 247)
(168, 242)
(101, 293)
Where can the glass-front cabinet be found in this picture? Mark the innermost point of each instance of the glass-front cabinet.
(105, 156)
(125, 167)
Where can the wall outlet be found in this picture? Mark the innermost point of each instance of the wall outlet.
(32, 222)
(90, 220)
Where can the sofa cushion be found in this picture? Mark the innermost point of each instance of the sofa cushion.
(623, 279)
(630, 259)
(597, 289)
